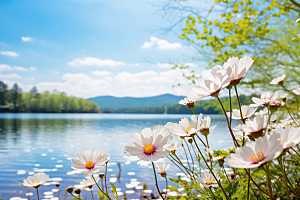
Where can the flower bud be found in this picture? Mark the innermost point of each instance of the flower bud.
(204, 131)
(70, 189)
(101, 175)
(77, 191)
(57, 185)
(163, 174)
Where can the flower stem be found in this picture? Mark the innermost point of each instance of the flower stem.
(193, 111)
(201, 140)
(92, 194)
(105, 177)
(296, 152)
(176, 165)
(256, 184)
(100, 188)
(156, 180)
(229, 127)
(211, 193)
(75, 196)
(211, 171)
(166, 186)
(269, 180)
(230, 105)
(37, 193)
(186, 156)
(190, 154)
(290, 114)
(248, 190)
(237, 96)
(284, 178)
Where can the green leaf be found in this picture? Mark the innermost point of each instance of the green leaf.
(114, 190)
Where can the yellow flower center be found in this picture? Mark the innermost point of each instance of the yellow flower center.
(244, 116)
(282, 142)
(233, 74)
(89, 165)
(149, 148)
(173, 149)
(257, 157)
(187, 130)
(35, 182)
(208, 181)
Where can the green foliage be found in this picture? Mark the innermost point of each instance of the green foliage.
(43, 102)
(265, 30)
(114, 190)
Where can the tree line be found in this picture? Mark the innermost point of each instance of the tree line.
(14, 100)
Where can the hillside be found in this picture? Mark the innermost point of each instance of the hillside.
(129, 102)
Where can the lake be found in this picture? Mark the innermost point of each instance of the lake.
(32, 143)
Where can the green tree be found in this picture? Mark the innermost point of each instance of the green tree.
(3, 93)
(16, 96)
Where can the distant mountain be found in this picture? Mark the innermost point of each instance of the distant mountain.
(127, 102)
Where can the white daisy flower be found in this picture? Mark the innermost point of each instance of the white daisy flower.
(278, 80)
(297, 91)
(188, 102)
(36, 180)
(237, 68)
(253, 155)
(288, 137)
(173, 145)
(90, 162)
(149, 145)
(247, 112)
(265, 111)
(283, 97)
(255, 128)
(264, 100)
(208, 87)
(204, 127)
(162, 169)
(185, 128)
(207, 179)
(88, 183)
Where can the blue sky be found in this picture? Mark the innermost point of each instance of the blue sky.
(88, 48)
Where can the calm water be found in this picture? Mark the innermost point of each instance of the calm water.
(32, 143)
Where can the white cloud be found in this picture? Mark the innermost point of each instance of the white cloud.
(164, 65)
(19, 68)
(5, 67)
(9, 53)
(26, 39)
(161, 44)
(80, 85)
(101, 73)
(54, 71)
(90, 61)
(136, 65)
(10, 76)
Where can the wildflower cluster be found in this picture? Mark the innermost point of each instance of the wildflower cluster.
(265, 157)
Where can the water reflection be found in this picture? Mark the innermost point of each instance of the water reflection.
(31, 143)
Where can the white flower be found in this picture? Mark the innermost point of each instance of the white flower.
(207, 179)
(278, 80)
(263, 150)
(265, 111)
(149, 145)
(36, 180)
(208, 87)
(188, 102)
(264, 100)
(289, 137)
(185, 128)
(90, 162)
(237, 68)
(283, 97)
(204, 126)
(173, 145)
(297, 91)
(88, 183)
(247, 112)
(286, 123)
(255, 128)
(162, 168)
